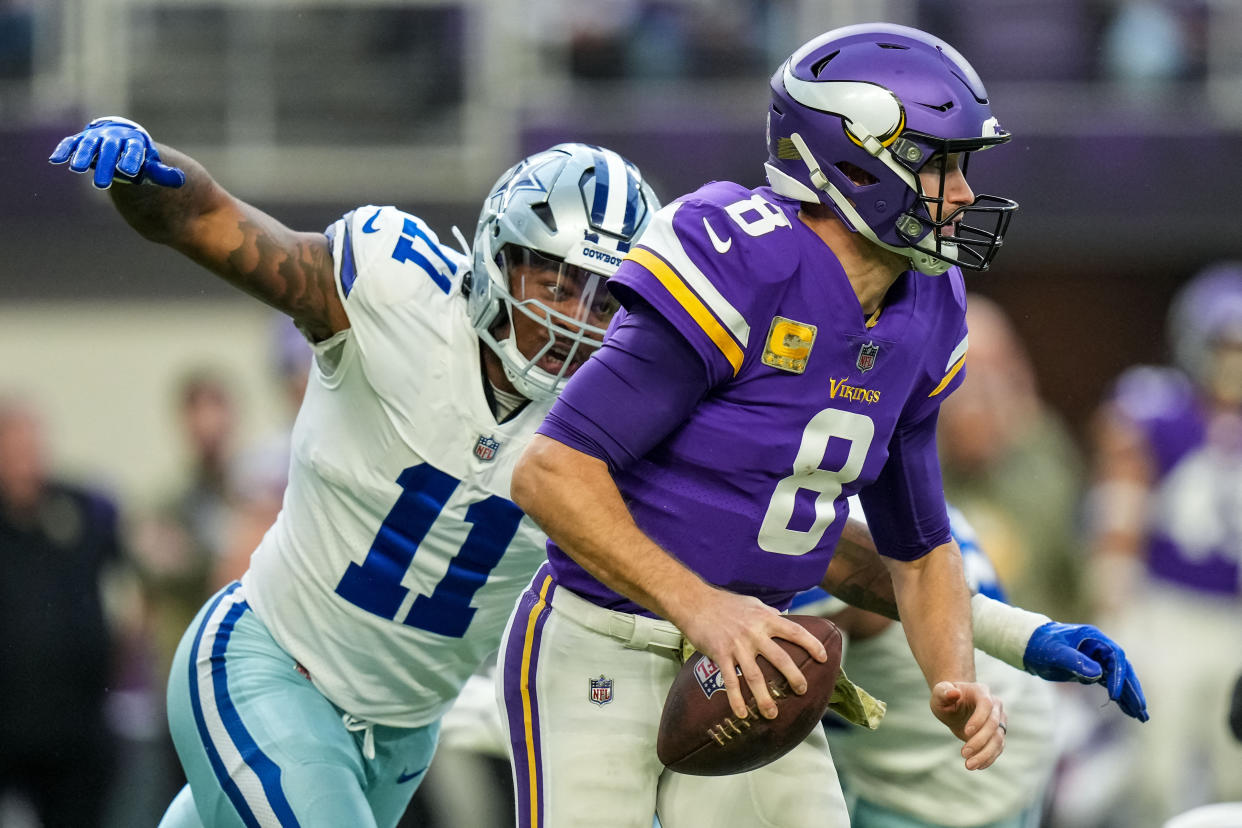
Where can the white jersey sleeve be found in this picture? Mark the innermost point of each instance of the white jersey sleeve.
(397, 556)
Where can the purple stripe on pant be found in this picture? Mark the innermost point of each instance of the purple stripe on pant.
(521, 659)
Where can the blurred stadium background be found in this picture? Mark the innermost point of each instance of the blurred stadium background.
(1127, 119)
(1127, 161)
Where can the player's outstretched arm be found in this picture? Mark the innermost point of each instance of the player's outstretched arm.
(170, 199)
(1057, 652)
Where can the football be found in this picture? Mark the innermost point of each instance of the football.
(699, 734)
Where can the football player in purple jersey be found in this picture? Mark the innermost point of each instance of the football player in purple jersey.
(1167, 549)
(780, 349)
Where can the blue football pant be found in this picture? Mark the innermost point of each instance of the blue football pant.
(262, 747)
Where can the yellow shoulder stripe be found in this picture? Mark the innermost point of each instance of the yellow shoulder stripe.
(692, 304)
(957, 366)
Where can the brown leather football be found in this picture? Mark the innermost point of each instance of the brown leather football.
(699, 734)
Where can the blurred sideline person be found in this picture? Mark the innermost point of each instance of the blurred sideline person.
(310, 693)
(58, 542)
(1012, 467)
(904, 774)
(781, 349)
(1167, 557)
(177, 545)
(261, 473)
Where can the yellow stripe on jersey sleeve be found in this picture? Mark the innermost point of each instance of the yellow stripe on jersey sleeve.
(957, 366)
(692, 304)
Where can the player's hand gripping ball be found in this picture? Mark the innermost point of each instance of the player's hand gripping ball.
(699, 734)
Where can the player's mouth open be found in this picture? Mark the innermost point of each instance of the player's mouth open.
(553, 361)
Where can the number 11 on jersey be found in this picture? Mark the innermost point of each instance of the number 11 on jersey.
(375, 585)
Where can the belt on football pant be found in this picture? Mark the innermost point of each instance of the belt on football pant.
(638, 632)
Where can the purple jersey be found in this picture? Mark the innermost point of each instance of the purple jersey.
(1194, 529)
(807, 399)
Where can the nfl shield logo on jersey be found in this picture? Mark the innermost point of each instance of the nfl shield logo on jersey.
(486, 448)
(866, 357)
(709, 676)
(601, 690)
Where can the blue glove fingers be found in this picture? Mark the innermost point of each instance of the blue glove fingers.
(84, 156)
(1122, 682)
(63, 150)
(1086, 669)
(130, 162)
(1113, 659)
(1053, 655)
(1130, 698)
(105, 162)
(165, 175)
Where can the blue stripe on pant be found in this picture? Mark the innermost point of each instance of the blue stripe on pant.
(264, 768)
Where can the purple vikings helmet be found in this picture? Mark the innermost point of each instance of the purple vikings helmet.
(886, 100)
(1206, 312)
(574, 209)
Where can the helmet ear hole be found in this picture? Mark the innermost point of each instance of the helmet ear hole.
(856, 174)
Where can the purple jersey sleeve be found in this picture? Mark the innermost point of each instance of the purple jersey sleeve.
(905, 506)
(640, 386)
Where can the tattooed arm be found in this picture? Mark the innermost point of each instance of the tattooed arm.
(241, 244)
(857, 575)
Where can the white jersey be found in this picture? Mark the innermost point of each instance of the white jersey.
(398, 555)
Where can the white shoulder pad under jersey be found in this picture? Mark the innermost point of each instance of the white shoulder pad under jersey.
(398, 556)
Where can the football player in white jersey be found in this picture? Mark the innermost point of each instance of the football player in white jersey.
(310, 692)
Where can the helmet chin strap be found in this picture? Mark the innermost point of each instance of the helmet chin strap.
(921, 260)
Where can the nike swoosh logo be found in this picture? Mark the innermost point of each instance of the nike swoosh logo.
(406, 777)
(370, 227)
(722, 246)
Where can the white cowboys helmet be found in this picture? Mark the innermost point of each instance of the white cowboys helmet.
(573, 210)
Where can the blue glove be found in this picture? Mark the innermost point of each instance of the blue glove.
(1080, 652)
(113, 147)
